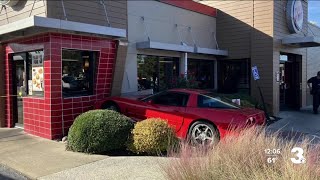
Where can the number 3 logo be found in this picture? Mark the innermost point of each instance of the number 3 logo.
(299, 156)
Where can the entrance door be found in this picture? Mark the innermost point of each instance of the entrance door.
(19, 86)
(290, 83)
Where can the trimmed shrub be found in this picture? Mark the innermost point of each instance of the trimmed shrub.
(99, 131)
(152, 136)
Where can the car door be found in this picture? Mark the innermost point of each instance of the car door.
(216, 110)
(136, 110)
(170, 106)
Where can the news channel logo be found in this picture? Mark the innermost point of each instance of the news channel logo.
(297, 155)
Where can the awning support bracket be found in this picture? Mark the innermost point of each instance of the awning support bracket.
(146, 33)
(64, 10)
(193, 39)
(103, 3)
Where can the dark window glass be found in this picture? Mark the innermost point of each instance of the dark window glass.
(29, 73)
(234, 76)
(170, 99)
(205, 101)
(77, 72)
(155, 72)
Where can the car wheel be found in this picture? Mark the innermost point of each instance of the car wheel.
(203, 133)
(111, 106)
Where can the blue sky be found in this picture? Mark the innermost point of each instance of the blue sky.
(314, 11)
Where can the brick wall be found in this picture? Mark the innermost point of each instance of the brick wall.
(51, 116)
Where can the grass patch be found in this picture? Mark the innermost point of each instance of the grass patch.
(243, 157)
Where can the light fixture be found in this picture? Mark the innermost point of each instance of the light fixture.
(86, 64)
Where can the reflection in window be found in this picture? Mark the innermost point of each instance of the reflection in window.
(210, 102)
(155, 72)
(171, 99)
(77, 72)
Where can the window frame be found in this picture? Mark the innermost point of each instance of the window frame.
(92, 79)
(151, 98)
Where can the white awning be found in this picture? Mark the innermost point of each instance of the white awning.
(216, 52)
(43, 22)
(164, 46)
(179, 48)
(302, 42)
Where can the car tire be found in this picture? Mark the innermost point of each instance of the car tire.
(203, 133)
(111, 106)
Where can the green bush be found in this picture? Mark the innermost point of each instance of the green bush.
(99, 131)
(152, 136)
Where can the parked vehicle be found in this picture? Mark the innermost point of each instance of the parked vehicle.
(194, 114)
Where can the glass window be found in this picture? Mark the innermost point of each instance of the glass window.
(29, 73)
(170, 99)
(206, 101)
(203, 72)
(77, 72)
(234, 76)
(155, 72)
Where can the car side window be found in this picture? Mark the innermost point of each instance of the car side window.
(171, 99)
(209, 102)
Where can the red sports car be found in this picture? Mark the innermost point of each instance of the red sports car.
(195, 114)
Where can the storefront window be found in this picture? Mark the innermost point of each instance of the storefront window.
(234, 76)
(156, 72)
(203, 71)
(32, 82)
(77, 72)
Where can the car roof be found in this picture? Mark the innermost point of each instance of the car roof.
(190, 91)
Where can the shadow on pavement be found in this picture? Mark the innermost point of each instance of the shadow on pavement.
(2, 177)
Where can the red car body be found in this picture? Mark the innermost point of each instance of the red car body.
(181, 118)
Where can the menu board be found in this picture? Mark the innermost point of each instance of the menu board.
(37, 71)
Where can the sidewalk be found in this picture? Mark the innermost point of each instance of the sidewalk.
(38, 158)
(43, 159)
(301, 123)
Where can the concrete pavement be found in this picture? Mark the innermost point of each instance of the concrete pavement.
(38, 158)
(300, 124)
(115, 168)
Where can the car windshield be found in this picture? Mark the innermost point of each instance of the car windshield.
(212, 100)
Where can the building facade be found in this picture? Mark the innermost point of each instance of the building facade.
(274, 36)
(167, 39)
(57, 58)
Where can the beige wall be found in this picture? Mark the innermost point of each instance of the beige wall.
(245, 28)
(254, 29)
(91, 12)
(234, 24)
(313, 59)
(2, 87)
(160, 20)
(281, 31)
(24, 9)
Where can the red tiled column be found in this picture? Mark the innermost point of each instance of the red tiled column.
(51, 116)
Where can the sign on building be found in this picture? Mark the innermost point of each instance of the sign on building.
(255, 73)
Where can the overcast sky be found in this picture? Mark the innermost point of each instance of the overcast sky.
(314, 11)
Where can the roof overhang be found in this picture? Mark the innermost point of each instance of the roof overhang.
(216, 52)
(164, 46)
(180, 48)
(43, 22)
(302, 42)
